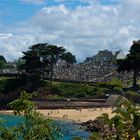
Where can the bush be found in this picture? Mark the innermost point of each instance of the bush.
(103, 84)
(131, 93)
(73, 89)
(10, 84)
(110, 85)
(100, 91)
(35, 126)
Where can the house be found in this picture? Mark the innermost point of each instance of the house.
(106, 56)
(103, 56)
(119, 55)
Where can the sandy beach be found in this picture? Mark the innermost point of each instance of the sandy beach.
(78, 115)
(81, 115)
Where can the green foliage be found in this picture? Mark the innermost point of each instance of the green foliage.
(19, 62)
(62, 89)
(100, 90)
(35, 126)
(112, 84)
(116, 82)
(2, 64)
(139, 133)
(94, 136)
(41, 58)
(125, 125)
(10, 84)
(2, 58)
(131, 62)
(73, 89)
(22, 104)
(112, 87)
(69, 58)
(131, 93)
(32, 66)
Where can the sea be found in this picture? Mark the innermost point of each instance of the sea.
(68, 129)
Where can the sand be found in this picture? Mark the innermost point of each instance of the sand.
(76, 115)
(81, 115)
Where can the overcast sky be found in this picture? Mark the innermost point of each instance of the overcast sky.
(83, 27)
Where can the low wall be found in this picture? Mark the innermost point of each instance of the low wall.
(70, 104)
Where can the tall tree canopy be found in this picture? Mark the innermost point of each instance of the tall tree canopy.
(2, 58)
(2, 62)
(41, 58)
(32, 65)
(131, 62)
(69, 57)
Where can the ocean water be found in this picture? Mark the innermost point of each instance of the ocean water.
(68, 129)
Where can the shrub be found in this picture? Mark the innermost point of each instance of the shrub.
(131, 93)
(35, 125)
(10, 84)
(73, 89)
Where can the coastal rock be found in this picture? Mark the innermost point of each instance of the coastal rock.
(99, 127)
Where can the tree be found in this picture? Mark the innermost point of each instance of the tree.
(32, 65)
(42, 57)
(52, 54)
(18, 62)
(69, 58)
(2, 58)
(35, 126)
(131, 62)
(2, 62)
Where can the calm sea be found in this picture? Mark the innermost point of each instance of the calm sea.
(68, 129)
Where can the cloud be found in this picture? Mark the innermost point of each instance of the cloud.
(11, 46)
(5, 36)
(83, 30)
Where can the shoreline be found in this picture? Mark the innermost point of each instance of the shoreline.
(80, 115)
(75, 115)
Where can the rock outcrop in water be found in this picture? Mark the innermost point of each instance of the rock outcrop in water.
(99, 127)
(93, 125)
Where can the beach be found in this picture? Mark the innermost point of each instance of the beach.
(77, 115)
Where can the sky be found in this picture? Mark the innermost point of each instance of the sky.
(83, 27)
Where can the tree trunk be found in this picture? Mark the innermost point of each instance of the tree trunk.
(135, 78)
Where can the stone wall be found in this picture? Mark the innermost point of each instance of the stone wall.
(85, 72)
